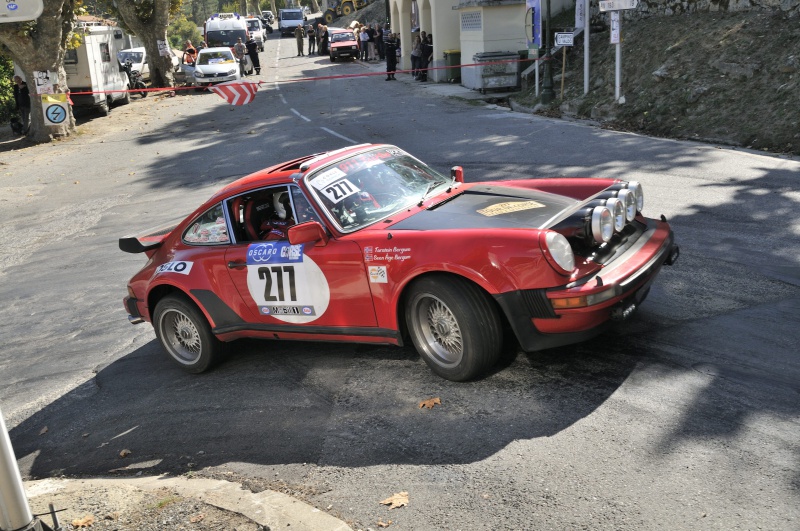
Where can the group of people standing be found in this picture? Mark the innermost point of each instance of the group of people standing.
(249, 48)
(317, 39)
(421, 56)
(370, 39)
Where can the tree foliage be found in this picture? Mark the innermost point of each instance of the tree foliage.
(181, 30)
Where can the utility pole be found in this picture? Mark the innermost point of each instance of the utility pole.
(548, 94)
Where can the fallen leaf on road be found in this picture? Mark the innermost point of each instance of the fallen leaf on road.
(384, 524)
(197, 518)
(86, 521)
(429, 403)
(43, 431)
(125, 453)
(399, 499)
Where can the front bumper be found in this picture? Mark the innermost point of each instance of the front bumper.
(539, 326)
(134, 315)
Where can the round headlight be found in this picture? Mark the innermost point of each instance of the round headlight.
(628, 198)
(636, 188)
(602, 224)
(560, 251)
(618, 211)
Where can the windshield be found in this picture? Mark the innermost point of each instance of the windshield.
(253, 25)
(342, 36)
(224, 37)
(372, 186)
(133, 57)
(292, 15)
(215, 58)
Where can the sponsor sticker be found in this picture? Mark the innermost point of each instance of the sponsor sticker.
(274, 253)
(184, 268)
(377, 274)
(509, 207)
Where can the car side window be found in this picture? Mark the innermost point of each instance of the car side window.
(302, 207)
(209, 228)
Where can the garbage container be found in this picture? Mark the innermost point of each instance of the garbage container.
(452, 60)
(493, 70)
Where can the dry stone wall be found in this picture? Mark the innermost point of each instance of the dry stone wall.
(679, 7)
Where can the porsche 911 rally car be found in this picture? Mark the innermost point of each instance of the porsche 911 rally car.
(368, 244)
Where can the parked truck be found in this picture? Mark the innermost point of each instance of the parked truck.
(93, 67)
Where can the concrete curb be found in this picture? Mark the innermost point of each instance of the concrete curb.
(268, 508)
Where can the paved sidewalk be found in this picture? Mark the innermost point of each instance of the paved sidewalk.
(270, 509)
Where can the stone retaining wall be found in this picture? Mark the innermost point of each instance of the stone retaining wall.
(678, 7)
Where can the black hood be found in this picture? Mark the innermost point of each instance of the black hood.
(484, 207)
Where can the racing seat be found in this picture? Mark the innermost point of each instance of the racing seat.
(256, 211)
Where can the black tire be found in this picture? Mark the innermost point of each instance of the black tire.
(333, 59)
(185, 334)
(347, 8)
(105, 108)
(454, 326)
(141, 85)
(125, 99)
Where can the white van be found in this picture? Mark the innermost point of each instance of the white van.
(223, 29)
(93, 67)
(256, 29)
(289, 19)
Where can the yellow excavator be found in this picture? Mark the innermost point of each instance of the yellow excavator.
(333, 9)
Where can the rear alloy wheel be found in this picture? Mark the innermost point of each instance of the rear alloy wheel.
(454, 326)
(185, 334)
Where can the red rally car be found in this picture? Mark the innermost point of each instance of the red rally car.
(368, 244)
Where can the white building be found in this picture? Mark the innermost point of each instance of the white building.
(470, 26)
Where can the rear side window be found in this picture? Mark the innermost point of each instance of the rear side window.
(105, 54)
(210, 228)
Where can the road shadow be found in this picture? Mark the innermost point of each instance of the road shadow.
(279, 403)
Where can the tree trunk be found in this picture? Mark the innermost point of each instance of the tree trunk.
(40, 46)
(151, 31)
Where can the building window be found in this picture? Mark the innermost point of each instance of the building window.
(471, 21)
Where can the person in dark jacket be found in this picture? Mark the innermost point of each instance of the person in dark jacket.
(252, 51)
(391, 46)
(323, 40)
(22, 100)
(426, 46)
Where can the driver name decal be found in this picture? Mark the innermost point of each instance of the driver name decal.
(285, 283)
(507, 208)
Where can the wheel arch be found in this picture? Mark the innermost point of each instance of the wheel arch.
(157, 293)
(477, 281)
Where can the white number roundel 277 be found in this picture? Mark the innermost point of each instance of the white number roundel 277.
(285, 283)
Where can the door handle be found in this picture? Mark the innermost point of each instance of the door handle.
(236, 265)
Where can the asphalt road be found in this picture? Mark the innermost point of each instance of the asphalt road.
(685, 418)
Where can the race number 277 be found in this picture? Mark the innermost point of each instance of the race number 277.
(265, 273)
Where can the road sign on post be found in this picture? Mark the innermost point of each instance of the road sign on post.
(21, 10)
(618, 5)
(564, 39)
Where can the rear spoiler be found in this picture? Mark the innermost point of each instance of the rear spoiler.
(149, 241)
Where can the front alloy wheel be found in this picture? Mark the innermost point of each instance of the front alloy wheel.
(454, 326)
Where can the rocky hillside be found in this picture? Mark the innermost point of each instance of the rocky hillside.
(728, 78)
